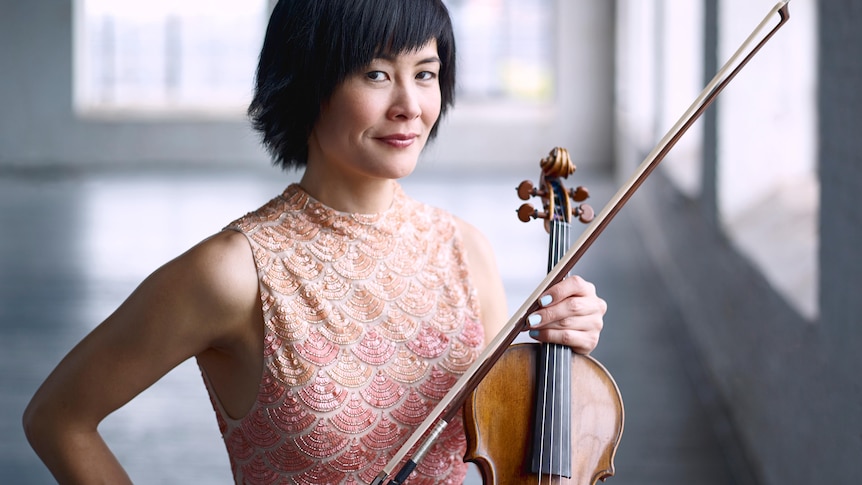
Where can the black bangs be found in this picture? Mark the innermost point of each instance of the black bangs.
(311, 46)
(367, 29)
(397, 27)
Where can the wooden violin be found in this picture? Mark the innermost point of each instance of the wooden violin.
(557, 415)
(419, 443)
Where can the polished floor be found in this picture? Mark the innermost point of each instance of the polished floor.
(73, 245)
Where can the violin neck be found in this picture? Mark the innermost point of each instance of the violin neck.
(559, 242)
(552, 427)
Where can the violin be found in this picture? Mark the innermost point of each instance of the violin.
(563, 415)
(420, 442)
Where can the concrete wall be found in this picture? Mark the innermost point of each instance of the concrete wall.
(838, 383)
(39, 128)
(785, 390)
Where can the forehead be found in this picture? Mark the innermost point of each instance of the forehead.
(424, 53)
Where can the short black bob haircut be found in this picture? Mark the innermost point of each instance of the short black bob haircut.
(311, 46)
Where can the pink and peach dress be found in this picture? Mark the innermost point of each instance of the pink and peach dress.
(368, 322)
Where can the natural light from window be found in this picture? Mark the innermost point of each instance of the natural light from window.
(163, 58)
(505, 48)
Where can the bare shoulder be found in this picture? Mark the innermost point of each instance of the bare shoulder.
(224, 263)
(218, 277)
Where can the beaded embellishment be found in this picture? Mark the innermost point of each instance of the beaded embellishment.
(369, 320)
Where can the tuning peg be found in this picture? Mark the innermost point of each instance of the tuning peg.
(526, 189)
(580, 194)
(584, 213)
(526, 213)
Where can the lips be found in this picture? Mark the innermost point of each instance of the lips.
(399, 140)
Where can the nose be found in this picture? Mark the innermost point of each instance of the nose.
(405, 102)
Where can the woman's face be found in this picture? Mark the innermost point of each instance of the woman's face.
(378, 120)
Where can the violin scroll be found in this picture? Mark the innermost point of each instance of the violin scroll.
(557, 201)
(557, 164)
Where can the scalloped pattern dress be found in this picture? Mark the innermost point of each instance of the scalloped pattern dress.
(368, 322)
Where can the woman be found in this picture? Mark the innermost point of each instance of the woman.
(328, 322)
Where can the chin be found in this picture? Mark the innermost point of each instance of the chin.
(398, 173)
(399, 167)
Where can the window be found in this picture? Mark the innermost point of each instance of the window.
(505, 48)
(768, 189)
(164, 56)
(766, 182)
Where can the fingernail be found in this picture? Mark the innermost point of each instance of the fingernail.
(534, 333)
(534, 319)
(546, 300)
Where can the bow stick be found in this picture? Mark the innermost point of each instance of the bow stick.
(450, 405)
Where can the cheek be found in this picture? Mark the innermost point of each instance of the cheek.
(431, 110)
(360, 116)
(348, 112)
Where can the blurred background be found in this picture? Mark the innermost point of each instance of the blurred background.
(733, 276)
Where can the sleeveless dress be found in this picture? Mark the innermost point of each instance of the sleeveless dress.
(368, 322)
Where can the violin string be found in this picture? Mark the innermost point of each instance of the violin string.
(559, 235)
(554, 361)
(558, 358)
(555, 410)
(567, 367)
(549, 367)
(555, 435)
(553, 255)
(544, 416)
(557, 363)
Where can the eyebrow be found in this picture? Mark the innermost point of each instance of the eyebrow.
(430, 60)
(427, 60)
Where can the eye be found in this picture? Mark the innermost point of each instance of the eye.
(426, 76)
(376, 75)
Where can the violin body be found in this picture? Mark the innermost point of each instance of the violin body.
(499, 417)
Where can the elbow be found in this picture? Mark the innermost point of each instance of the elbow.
(30, 420)
(38, 427)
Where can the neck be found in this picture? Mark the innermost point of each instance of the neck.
(367, 196)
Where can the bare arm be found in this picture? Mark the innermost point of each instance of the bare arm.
(202, 301)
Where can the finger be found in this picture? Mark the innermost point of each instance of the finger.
(579, 341)
(570, 286)
(574, 312)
